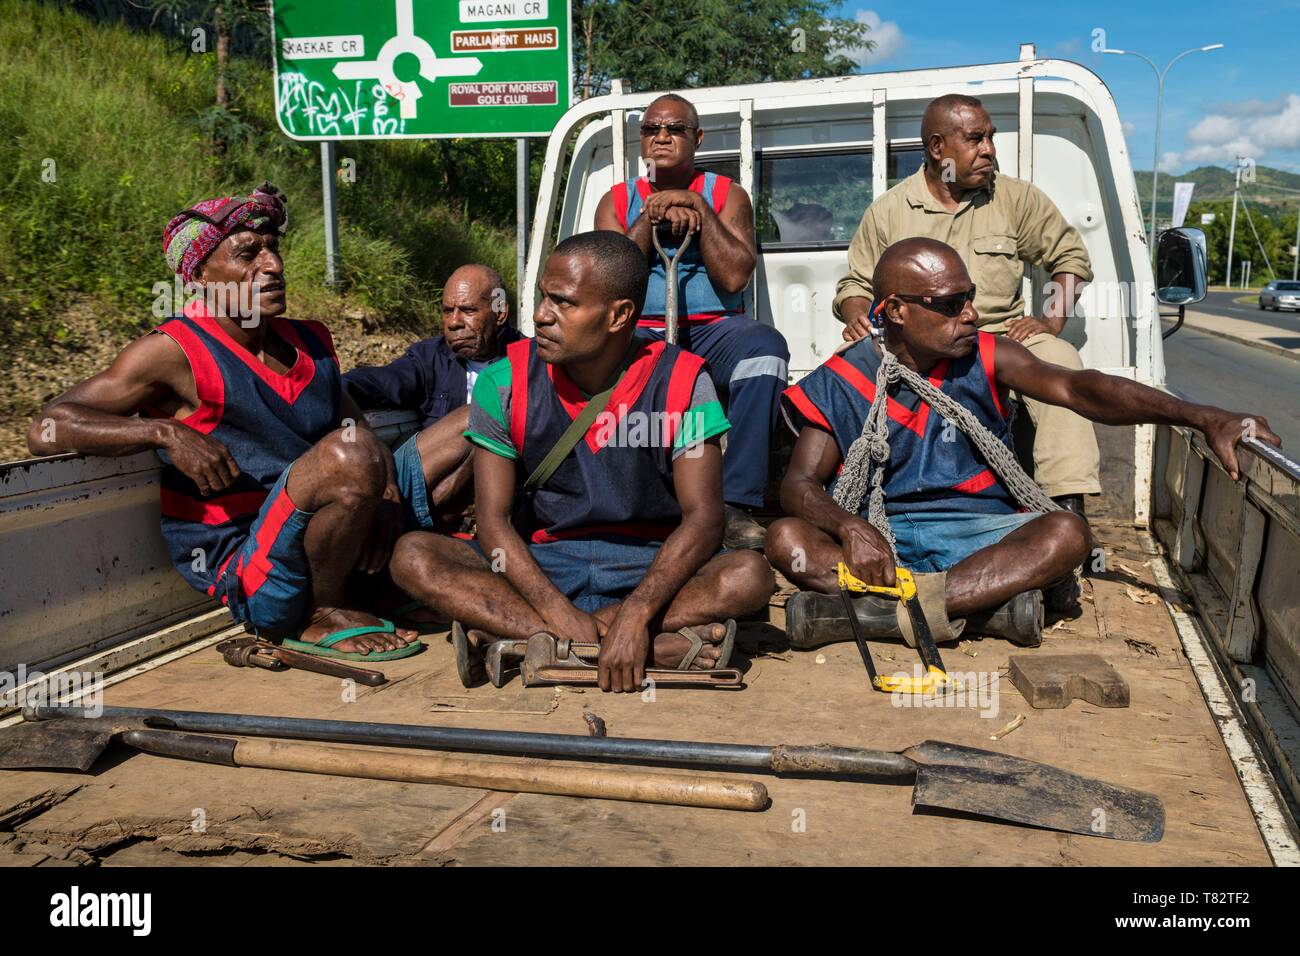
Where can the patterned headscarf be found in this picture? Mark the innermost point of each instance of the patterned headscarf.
(192, 235)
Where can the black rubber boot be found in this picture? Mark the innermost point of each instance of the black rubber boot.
(1072, 504)
(1020, 620)
(1062, 598)
(740, 532)
(813, 619)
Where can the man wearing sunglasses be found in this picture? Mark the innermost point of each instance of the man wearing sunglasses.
(948, 511)
(996, 223)
(748, 360)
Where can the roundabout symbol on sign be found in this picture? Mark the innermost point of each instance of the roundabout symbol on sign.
(406, 92)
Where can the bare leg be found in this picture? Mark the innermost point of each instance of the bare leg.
(1033, 556)
(736, 584)
(448, 574)
(341, 482)
(1036, 554)
(447, 463)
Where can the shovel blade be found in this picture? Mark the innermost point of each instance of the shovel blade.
(1004, 787)
(72, 744)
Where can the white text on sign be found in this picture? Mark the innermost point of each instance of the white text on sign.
(482, 11)
(505, 40)
(322, 48)
(537, 93)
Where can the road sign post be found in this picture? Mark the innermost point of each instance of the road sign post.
(521, 215)
(329, 193)
(416, 69)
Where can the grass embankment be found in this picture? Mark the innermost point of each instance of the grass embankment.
(105, 135)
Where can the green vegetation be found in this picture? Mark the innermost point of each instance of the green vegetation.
(106, 133)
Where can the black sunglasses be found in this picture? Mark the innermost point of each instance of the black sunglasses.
(949, 305)
(674, 129)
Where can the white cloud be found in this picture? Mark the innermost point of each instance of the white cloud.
(1127, 127)
(887, 35)
(1248, 128)
(1251, 107)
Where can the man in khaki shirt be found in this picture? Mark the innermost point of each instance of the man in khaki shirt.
(996, 223)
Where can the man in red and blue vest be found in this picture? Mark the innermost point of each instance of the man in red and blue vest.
(747, 359)
(618, 542)
(274, 489)
(948, 511)
(436, 379)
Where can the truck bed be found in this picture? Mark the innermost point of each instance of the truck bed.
(140, 809)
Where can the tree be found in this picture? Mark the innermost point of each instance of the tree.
(225, 18)
(1272, 246)
(679, 44)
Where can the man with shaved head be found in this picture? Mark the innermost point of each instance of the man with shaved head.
(598, 488)
(436, 378)
(997, 224)
(949, 513)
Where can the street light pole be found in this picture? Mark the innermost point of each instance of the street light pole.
(1160, 96)
(1232, 229)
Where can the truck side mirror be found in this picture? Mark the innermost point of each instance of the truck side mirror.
(1181, 266)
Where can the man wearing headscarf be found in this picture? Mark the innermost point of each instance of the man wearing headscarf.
(274, 489)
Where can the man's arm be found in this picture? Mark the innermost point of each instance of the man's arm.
(638, 232)
(494, 497)
(853, 293)
(815, 460)
(697, 478)
(1112, 400)
(99, 416)
(726, 241)
(399, 384)
(1046, 239)
(1062, 297)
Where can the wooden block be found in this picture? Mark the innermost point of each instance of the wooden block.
(1051, 681)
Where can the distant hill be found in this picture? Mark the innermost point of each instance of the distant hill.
(1215, 182)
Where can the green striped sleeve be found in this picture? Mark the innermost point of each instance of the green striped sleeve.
(489, 413)
(704, 419)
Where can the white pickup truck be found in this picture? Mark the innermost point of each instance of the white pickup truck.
(1197, 606)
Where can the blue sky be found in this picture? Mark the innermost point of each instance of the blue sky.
(1243, 98)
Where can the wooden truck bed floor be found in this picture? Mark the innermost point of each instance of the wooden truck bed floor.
(141, 809)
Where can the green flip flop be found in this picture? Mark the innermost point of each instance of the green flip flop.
(325, 646)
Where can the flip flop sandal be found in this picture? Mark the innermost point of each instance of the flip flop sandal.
(725, 646)
(325, 646)
(470, 667)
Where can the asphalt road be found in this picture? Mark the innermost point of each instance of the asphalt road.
(1221, 372)
(1224, 303)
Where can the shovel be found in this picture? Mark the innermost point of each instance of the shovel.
(670, 280)
(75, 744)
(944, 776)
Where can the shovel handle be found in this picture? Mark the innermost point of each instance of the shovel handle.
(518, 776)
(670, 283)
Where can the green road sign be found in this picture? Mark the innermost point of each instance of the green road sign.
(393, 69)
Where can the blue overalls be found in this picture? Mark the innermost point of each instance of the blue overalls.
(748, 360)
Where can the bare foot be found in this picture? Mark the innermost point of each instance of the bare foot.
(671, 647)
(329, 620)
